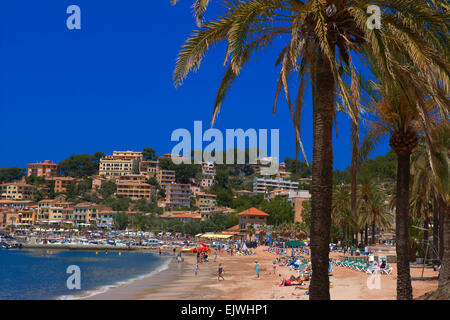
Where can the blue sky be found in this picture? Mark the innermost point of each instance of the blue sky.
(109, 85)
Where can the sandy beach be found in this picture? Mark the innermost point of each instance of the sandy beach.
(178, 282)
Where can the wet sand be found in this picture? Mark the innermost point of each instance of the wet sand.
(178, 282)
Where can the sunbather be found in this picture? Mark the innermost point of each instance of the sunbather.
(287, 282)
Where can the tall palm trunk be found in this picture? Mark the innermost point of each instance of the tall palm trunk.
(442, 214)
(354, 168)
(426, 234)
(435, 228)
(373, 232)
(403, 143)
(444, 272)
(322, 179)
(366, 235)
(404, 288)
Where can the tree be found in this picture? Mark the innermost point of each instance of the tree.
(430, 188)
(80, 165)
(11, 174)
(149, 154)
(121, 220)
(319, 39)
(280, 211)
(399, 110)
(108, 189)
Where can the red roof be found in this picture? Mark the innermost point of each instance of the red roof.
(253, 212)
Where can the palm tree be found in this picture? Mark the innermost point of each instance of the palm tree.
(320, 37)
(430, 168)
(374, 213)
(402, 111)
(341, 213)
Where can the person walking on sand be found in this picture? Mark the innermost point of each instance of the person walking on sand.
(179, 257)
(220, 272)
(215, 255)
(257, 269)
(159, 250)
(196, 269)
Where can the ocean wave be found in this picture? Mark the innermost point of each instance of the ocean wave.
(105, 288)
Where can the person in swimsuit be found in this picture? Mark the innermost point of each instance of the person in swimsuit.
(196, 269)
(257, 269)
(219, 272)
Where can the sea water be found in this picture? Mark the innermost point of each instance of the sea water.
(42, 274)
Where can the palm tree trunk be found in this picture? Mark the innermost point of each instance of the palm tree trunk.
(426, 234)
(441, 226)
(435, 228)
(366, 235)
(322, 179)
(444, 272)
(373, 232)
(404, 288)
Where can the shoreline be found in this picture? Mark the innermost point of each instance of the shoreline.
(178, 282)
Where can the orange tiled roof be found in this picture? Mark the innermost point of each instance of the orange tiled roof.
(253, 212)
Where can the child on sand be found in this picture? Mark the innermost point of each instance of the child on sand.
(257, 269)
(219, 272)
(196, 269)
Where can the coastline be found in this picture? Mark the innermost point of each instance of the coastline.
(178, 282)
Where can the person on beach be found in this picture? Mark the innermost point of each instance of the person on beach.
(215, 255)
(219, 272)
(159, 250)
(198, 256)
(179, 257)
(196, 269)
(174, 251)
(274, 267)
(257, 269)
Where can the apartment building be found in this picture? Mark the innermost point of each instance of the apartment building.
(97, 182)
(127, 155)
(262, 185)
(134, 189)
(132, 178)
(165, 177)
(83, 212)
(208, 174)
(16, 190)
(205, 201)
(112, 168)
(61, 184)
(43, 169)
(149, 167)
(178, 195)
(16, 204)
(49, 211)
(26, 217)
